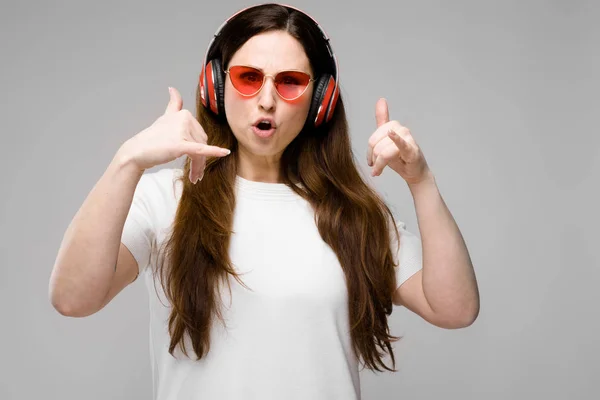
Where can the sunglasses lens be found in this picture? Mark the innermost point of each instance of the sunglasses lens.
(291, 84)
(246, 80)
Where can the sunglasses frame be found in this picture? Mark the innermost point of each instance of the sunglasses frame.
(310, 80)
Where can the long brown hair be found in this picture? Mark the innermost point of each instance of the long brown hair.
(351, 218)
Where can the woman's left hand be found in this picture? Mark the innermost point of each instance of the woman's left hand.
(393, 145)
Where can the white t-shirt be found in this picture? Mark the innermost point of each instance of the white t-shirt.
(288, 338)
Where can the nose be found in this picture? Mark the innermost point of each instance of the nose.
(267, 95)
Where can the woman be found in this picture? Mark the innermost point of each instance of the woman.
(307, 251)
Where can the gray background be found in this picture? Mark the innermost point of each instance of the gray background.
(499, 95)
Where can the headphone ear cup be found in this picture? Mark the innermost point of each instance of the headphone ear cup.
(317, 100)
(211, 87)
(203, 87)
(334, 98)
(219, 86)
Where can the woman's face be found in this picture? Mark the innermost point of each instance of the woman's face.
(270, 52)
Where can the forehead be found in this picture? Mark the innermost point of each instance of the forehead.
(272, 51)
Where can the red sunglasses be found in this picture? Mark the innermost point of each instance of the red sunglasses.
(249, 80)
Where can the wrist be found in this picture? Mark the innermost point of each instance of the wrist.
(124, 160)
(427, 180)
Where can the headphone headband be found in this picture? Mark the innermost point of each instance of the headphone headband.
(323, 33)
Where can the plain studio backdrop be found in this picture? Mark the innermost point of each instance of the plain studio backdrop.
(499, 95)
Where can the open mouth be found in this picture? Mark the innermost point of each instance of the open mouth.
(264, 126)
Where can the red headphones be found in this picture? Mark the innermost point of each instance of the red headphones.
(325, 93)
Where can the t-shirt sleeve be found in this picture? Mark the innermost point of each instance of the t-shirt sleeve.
(409, 257)
(138, 232)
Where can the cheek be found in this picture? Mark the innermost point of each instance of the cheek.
(234, 106)
(230, 101)
(300, 110)
(234, 112)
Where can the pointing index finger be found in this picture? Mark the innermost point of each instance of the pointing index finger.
(381, 112)
(381, 117)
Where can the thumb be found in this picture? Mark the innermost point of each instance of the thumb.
(175, 101)
(381, 112)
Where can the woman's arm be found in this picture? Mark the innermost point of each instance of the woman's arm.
(445, 292)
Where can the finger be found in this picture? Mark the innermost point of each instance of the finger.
(196, 131)
(198, 163)
(382, 117)
(402, 143)
(175, 101)
(381, 161)
(381, 112)
(376, 137)
(197, 166)
(198, 153)
(198, 149)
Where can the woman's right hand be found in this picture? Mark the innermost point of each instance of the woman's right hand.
(173, 134)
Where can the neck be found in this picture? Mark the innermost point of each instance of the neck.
(259, 168)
